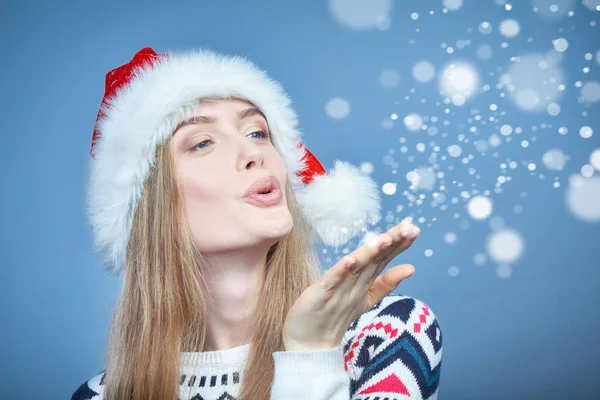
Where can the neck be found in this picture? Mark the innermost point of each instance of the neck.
(235, 279)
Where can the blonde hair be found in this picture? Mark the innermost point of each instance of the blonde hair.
(161, 309)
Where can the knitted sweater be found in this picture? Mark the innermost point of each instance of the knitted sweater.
(393, 351)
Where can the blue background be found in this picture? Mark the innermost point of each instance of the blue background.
(532, 334)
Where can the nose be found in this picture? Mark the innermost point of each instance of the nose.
(251, 155)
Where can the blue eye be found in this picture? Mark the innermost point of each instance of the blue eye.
(198, 145)
(262, 135)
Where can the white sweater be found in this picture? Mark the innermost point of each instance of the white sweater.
(393, 350)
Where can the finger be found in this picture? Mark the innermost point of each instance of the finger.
(363, 275)
(376, 250)
(365, 255)
(387, 282)
(346, 282)
(407, 239)
(350, 266)
(404, 235)
(343, 275)
(336, 274)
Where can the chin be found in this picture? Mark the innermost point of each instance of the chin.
(280, 228)
(276, 228)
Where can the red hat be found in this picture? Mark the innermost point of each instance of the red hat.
(146, 98)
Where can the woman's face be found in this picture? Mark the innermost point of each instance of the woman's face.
(219, 153)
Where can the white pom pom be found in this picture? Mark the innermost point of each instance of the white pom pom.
(341, 204)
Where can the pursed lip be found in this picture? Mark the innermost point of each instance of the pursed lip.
(264, 184)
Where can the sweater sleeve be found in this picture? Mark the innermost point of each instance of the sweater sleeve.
(398, 354)
(394, 350)
(315, 375)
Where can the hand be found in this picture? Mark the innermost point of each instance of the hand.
(321, 315)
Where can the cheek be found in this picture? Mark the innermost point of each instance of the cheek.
(202, 193)
(208, 208)
(277, 163)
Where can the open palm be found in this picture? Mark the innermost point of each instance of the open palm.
(321, 315)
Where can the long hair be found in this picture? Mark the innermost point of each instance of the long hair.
(161, 308)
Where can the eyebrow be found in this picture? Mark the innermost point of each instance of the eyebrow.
(210, 119)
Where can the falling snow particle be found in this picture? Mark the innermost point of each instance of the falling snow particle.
(587, 171)
(560, 45)
(413, 122)
(591, 91)
(583, 198)
(505, 246)
(453, 271)
(370, 239)
(366, 168)
(553, 109)
(452, 5)
(389, 188)
(459, 79)
(337, 108)
(450, 237)
(428, 253)
(495, 140)
(554, 159)
(389, 78)
(504, 271)
(586, 132)
(479, 207)
(509, 28)
(423, 71)
(506, 130)
(485, 28)
(361, 15)
(455, 150)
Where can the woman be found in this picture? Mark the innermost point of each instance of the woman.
(203, 196)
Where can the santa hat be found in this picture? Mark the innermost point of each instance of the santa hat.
(142, 103)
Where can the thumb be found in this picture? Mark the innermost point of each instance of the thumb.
(387, 282)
